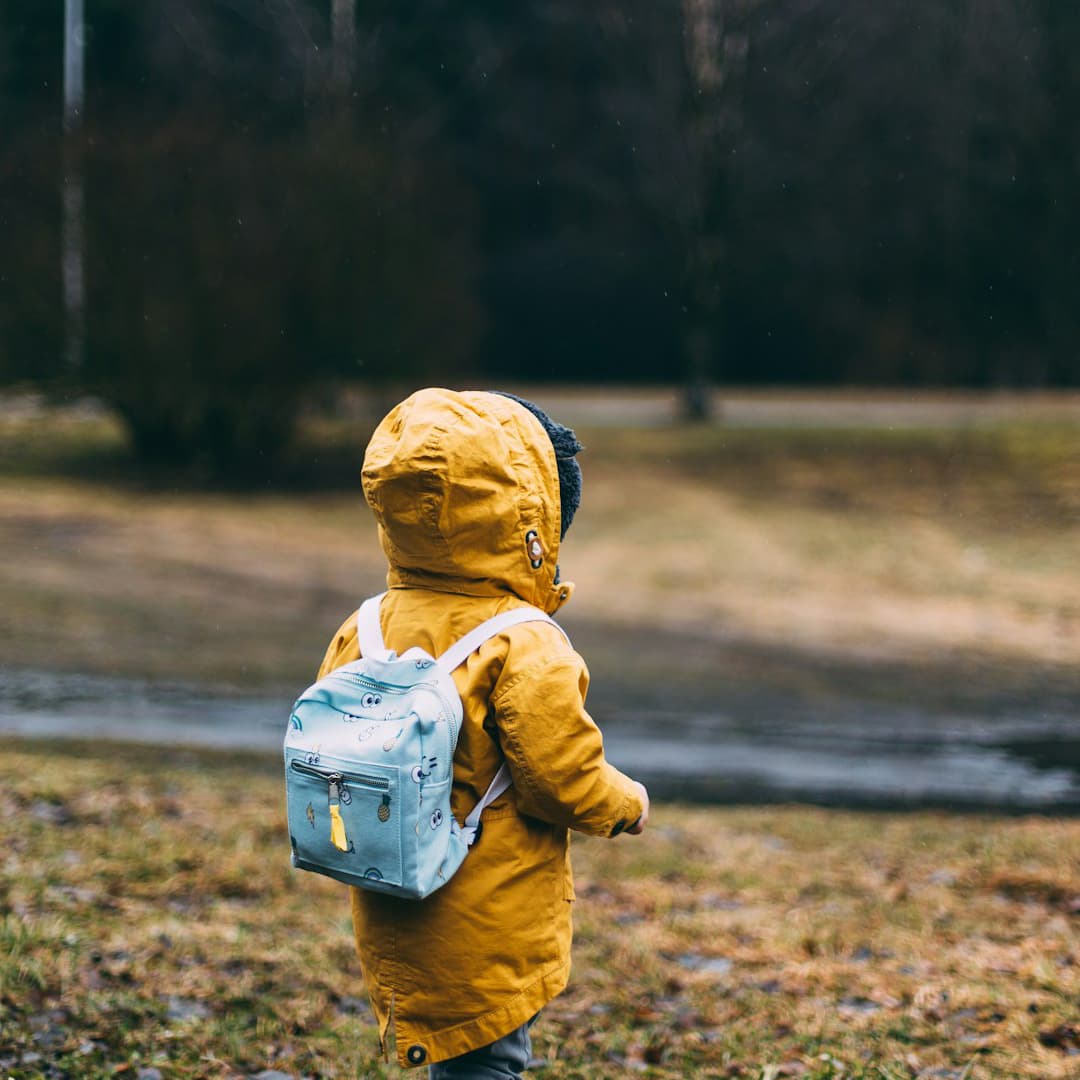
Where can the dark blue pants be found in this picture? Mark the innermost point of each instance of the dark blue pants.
(504, 1059)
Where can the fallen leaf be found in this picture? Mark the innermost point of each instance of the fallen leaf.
(1063, 1037)
(655, 1050)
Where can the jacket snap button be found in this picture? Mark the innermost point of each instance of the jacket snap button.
(416, 1055)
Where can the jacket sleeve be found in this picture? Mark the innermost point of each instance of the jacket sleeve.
(556, 752)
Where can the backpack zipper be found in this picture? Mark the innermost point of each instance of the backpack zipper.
(374, 684)
(336, 776)
(337, 792)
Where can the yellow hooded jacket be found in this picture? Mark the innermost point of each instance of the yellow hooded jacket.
(457, 482)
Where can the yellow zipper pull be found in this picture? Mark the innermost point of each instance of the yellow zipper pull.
(337, 826)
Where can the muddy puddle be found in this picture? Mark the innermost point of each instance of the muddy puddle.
(750, 749)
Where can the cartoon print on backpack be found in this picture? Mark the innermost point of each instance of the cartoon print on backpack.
(368, 701)
(385, 739)
(419, 774)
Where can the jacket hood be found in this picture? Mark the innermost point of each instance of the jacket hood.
(464, 486)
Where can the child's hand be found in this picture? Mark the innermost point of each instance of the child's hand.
(639, 826)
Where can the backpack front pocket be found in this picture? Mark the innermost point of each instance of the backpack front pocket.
(346, 822)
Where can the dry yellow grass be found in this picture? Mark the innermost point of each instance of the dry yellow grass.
(875, 542)
(913, 546)
(147, 914)
(148, 918)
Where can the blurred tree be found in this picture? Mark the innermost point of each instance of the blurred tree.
(1052, 154)
(31, 323)
(244, 242)
(217, 297)
(885, 227)
(716, 47)
(343, 42)
(72, 260)
(31, 329)
(789, 190)
(676, 77)
(574, 279)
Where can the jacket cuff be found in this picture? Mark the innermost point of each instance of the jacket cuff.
(629, 814)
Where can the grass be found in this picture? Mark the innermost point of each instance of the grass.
(149, 919)
(950, 551)
(933, 538)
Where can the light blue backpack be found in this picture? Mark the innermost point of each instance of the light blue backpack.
(368, 764)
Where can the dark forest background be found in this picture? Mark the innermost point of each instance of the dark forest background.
(283, 192)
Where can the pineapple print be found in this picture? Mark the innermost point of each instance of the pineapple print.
(384, 809)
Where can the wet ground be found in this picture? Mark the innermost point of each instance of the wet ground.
(696, 715)
(748, 744)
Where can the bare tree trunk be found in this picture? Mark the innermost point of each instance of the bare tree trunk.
(715, 58)
(343, 42)
(72, 242)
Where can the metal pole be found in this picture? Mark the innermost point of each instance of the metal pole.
(72, 236)
(343, 42)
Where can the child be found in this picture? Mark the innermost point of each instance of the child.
(473, 492)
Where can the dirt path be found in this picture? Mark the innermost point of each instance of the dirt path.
(646, 407)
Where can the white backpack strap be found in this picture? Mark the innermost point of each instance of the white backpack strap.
(472, 823)
(369, 632)
(454, 657)
(461, 650)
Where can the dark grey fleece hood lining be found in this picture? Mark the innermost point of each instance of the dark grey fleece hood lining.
(566, 446)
